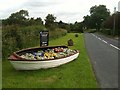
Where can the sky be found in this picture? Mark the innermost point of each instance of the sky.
(68, 11)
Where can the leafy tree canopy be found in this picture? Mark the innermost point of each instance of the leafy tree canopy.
(97, 15)
(50, 21)
(17, 18)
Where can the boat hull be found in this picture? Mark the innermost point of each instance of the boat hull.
(26, 64)
(35, 65)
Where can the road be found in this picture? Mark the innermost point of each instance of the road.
(109, 40)
(103, 53)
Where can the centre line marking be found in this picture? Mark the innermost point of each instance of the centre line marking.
(93, 34)
(99, 38)
(104, 41)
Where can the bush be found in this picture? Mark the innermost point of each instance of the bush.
(106, 31)
(70, 42)
(16, 38)
(92, 30)
(76, 35)
(57, 33)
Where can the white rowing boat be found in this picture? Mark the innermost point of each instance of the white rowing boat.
(20, 63)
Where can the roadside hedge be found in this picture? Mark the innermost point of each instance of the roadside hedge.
(16, 38)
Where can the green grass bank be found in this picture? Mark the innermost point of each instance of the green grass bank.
(76, 74)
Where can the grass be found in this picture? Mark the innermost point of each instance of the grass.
(76, 74)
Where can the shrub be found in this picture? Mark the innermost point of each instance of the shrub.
(57, 33)
(106, 31)
(16, 38)
(76, 35)
(70, 42)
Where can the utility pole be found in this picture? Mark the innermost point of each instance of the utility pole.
(119, 6)
(114, 21)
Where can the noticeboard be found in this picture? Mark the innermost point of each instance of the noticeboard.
(44, 38)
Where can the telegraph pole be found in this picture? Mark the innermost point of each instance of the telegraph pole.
(114, 21)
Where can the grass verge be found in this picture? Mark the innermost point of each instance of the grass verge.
(76, 74)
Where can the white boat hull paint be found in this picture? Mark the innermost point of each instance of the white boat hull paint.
(35, 65)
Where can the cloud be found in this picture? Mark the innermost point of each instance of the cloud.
(7, 13)
(65, 10)
(67, 13)
(69, 17)
(8, 7)
(40, 3)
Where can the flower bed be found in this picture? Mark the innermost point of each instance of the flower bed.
(54, 53)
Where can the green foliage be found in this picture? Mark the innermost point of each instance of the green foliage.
(20, 18)
(91, 30)
(50, 22)
(106, 31)
(109, 24)
(16, 38)
(76, 27)
(32, 21)
(87, 22)
(21, 32)
(64, 25)
(76, 35)
(58, 32)
(17, 18)
(97, 15)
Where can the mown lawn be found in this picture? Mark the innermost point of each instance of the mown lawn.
(76, 74)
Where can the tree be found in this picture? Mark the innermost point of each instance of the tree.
(76, 27)
(39, 21)
(98, 14)
(109, 23)
(31, 21)
(50, 21)
(20, 18)
(61, 24)
(87, 22)
(17, 18)
(64, 25)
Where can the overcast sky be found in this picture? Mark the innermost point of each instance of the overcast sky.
(68, 11)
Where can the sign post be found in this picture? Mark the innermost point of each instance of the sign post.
(114, 21)
(44, 38)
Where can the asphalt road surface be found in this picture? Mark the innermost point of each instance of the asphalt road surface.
(109, 40)
(103, 53)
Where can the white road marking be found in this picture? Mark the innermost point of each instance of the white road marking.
(93, 34)
(114, 46)
(99, 38)
(96, 36)
(106, 42)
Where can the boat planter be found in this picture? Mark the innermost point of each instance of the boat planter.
(20, 63)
